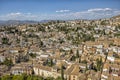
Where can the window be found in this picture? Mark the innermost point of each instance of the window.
(73, 76)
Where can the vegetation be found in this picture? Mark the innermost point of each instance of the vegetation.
(84, 61)
(22, 77)
(77, 54)
(8, 62)
(32, 55)
(27, 77)
(99, 64)
(62, 72)
(5, 40)
(49, 62)
(73, 58)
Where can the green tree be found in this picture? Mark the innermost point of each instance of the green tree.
(32, 55)
(29, 78)
(51, 63)
(8, 62)
(80, 59)
(62, 72)
(77, 53)
(6, 77)
(73, 58)
(58, 78)
(5, 40)
(49, 78)
(15, 77)
(71, 51)
(86, 68)
(99, 64)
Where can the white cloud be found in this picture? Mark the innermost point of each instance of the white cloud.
(99, 9)
(96, 13)
(61, 11)
(14, 14)
(18, 16)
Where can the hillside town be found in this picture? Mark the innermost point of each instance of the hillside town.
(62, 50)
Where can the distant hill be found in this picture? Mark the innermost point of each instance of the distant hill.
(116, 19)
(118, 16)
(17, 22)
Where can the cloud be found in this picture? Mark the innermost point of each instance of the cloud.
(18, 16)
(14, 14)
(61, 11)
(95, 13)
(99, 9)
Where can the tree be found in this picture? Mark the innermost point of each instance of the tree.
(99, 64)
(29, 78)
(86, 68)
(84, 61)
(49, 78)
(80, 59)
(73, 58)
(110, 70)
(58, 78)
(62, 72)
(5, 40)
(26, 57)
(24, 77)
(103, 22)
(32, 55)
(41, 43)
(6, 77)
(15, 77)
(71, 52)
(77, 54)
(8, 62)
(51, 63)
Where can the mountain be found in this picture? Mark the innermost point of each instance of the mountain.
(118, 16)
(116, 19)
(17, 22)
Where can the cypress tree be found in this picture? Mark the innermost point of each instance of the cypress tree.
(62, 73)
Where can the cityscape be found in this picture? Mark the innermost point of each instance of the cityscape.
(59, 40)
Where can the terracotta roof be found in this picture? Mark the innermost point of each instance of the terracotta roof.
(75, 70)
(42, 67)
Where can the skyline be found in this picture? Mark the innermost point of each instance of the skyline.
(58, 9)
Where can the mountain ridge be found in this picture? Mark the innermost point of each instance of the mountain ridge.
(17, 22)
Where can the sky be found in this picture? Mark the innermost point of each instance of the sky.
(58, 9)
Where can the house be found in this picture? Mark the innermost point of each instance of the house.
(111, 58)
(2, 58)
(74, 71)
(22, 28)
(116, 49)
(3, 69)
(115, 68)
(45, 71)
(35, 50)
(21, 68)
(14, 50)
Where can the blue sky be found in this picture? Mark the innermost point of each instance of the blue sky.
(58, 9)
